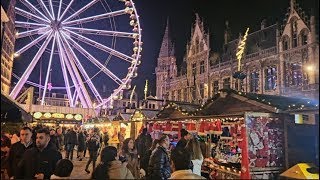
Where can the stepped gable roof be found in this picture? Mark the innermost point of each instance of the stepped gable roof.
(231, 101)
(256, 41)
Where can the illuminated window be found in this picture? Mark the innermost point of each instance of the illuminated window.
(270, 78)
(294, 76)
(254, 82)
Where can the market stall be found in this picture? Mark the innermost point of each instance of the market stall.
(244, 132)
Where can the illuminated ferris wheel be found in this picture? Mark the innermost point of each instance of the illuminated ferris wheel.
(79, 46)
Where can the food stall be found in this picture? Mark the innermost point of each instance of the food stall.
(244, 132)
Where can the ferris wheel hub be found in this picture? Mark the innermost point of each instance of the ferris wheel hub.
(55, 25)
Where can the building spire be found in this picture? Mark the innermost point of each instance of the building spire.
(167, 48)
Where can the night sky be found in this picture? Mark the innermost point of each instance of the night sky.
(240, 14)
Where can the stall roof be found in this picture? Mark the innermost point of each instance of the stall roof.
(122, 117)
(149, 114)
(231, 101)
(177, 109)
(13, 112)
(302, 171)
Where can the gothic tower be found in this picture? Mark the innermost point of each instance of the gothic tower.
(166, 68)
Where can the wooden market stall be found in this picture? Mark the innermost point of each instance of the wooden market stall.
(245, 132)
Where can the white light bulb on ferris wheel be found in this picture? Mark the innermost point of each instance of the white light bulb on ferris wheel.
(62, 29)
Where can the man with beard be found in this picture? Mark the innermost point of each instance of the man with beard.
(18, 148)
(40, 161)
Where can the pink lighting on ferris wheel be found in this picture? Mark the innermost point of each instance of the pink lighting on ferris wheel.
(55, 27)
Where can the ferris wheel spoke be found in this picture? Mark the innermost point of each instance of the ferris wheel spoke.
(48, 69)
(51, 9)
(95, 18)
(31, 16)
(71, 61)
(101, 47)
(29, 69)
(28, 25)
(65, 75)
(102, 32)
(77, 82)
(33, 9)
(59, 10)
(45, 9)
(83, 72)
(96, 62)
(65, 10)
(32, 32)
(79, 11)
(34, 42)
(63, 58)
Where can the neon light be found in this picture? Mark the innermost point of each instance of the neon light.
(241, 49)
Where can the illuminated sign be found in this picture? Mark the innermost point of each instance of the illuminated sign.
(37, 115)
(78, 117)
(241, 49)
(47, 115)
(69, 116)
(58, 115)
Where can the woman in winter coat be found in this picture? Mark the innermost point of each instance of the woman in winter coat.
(131, 155)
(145, 160)
(193, 146)
(81, 144)
(110, 167)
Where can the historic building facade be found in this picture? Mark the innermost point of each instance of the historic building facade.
(280, 59)
(7, 44)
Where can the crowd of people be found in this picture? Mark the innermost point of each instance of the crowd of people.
(36, 153)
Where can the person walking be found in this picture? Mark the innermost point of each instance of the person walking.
(131, 154)
(181, 165)
(40, 161)
(93, 147)
(60, 139)
(145, 160)
(110, 167)
(159, 164)
(193, 146)
(81, 144)
(17, 150)
(143, 143)
(71, 141)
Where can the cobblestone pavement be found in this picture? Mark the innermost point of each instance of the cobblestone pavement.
(78, 171)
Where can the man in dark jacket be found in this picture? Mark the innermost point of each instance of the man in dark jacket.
(159, 164)
(143, 143)
(71, 141)
(93, 143)
(40, 161)
(185, 137)
(17, 150)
